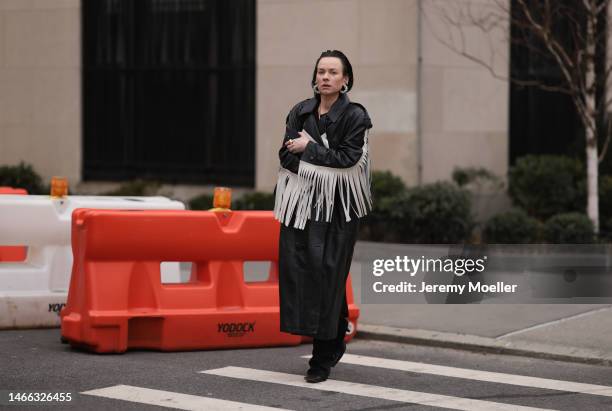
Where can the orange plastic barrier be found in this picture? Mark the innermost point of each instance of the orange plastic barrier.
(11, 253)
(11, 190)
(116, 300)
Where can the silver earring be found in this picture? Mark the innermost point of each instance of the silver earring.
(344, 89)
(315, 88)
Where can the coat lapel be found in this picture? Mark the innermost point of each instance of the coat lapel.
(338, 108)
(310, 124)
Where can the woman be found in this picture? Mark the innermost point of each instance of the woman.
(323, 189)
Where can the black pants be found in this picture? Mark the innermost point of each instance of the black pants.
(324, 351)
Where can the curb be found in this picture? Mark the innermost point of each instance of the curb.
(483, 344)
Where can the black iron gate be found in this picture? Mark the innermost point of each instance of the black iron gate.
(169, 90)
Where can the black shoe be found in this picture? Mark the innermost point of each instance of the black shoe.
(316, 374)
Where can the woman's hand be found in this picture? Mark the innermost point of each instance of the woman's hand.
(298, 145)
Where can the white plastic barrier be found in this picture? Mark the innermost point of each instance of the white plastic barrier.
(33, 292)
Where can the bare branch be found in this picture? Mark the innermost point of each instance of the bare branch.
(486, 24)
(570, 63)
(568, 36)
(540, 85)
(565, 63)
(602, 7)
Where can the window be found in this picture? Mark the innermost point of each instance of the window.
(546, 122)
(169, 90)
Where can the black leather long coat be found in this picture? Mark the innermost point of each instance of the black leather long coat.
(314, 262)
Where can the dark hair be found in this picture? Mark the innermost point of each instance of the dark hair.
(347, 69)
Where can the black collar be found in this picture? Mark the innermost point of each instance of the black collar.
(334, 112)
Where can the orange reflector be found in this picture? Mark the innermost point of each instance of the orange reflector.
(222, 198)
(59, 187)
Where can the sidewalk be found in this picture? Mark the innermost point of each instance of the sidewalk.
(567, 332)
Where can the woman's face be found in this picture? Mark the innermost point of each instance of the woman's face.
(329, 77)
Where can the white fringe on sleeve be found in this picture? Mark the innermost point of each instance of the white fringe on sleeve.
(295, 192)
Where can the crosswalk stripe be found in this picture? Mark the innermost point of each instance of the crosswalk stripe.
(365, 390)
(172, 399)
(477, 375)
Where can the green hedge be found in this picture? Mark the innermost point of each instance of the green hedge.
(605, 198)
(605, 230)
(137, 188)
(511, 227)
(437, 213)
(375, 226)
(22, 176)
(201, 202)
(386, 184)
(249, 201)
(568, 228)
(547, 185)
(254, 201)
(463, 176)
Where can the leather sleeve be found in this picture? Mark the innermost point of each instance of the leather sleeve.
(348, 152)
(289, 160)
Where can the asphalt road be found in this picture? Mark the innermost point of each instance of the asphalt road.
(35, 361)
